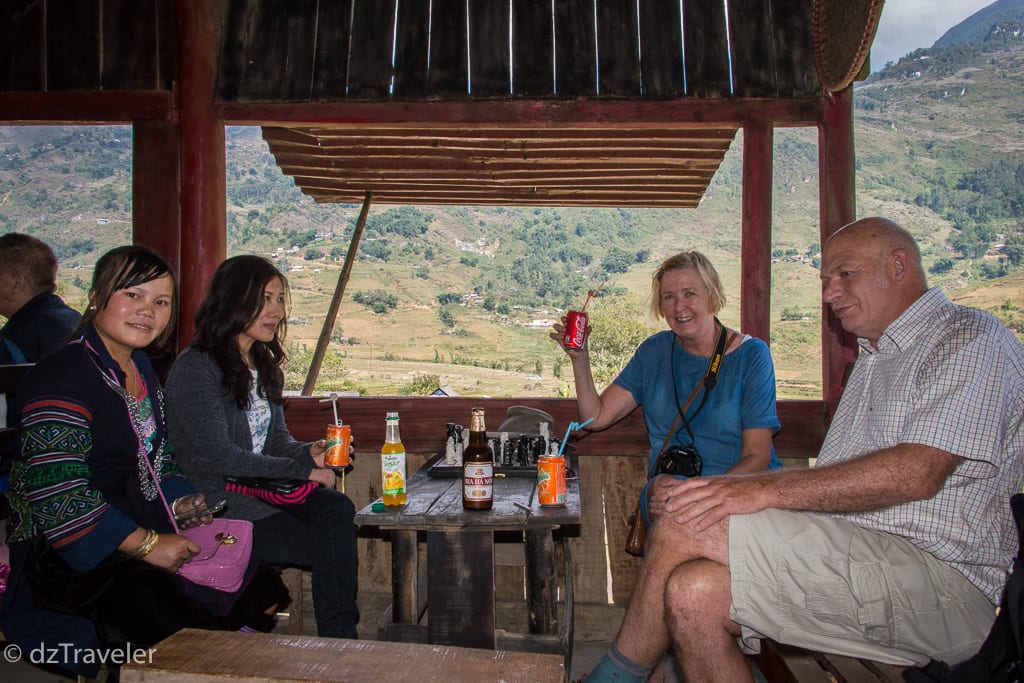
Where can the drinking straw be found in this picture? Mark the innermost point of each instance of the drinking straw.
(333, 398)
(591, 294)
(572, 426)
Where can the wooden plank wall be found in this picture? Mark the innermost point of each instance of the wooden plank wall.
(300, 50)
(410, 49)
(611, 466)
(63, 45)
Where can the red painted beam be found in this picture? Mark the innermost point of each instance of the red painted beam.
(156, 186)
(756, 241)
(203, 175)
(85, 107)
(692, 112)
(837, 206)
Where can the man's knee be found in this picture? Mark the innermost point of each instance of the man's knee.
(698, 587)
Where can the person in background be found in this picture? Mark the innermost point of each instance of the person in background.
(895, 547)
(730, 425)
(38, 321)
(94, 554)
(225, 414)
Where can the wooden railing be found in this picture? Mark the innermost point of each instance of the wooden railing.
(423, 421)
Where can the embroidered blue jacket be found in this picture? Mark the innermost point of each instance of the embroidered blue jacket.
(78, 479)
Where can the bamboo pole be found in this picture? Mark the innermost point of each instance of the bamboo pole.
(339, 292)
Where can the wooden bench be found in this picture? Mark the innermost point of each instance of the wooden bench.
(785, 664)
(196, 655)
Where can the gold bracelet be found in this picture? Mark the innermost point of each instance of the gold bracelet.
(138, 549)
(147, 545)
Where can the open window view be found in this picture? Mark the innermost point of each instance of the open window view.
(452, 299)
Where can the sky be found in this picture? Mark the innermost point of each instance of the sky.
(906, 25)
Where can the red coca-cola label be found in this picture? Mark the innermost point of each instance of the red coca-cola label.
(575, 330)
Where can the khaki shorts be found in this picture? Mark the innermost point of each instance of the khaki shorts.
(826, 584)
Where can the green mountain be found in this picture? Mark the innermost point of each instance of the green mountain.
(463, 296)
(975, 28)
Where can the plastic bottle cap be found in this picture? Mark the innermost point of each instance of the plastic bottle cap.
(378, 506)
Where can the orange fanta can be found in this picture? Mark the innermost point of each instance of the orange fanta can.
(339, 437)
(551, 480)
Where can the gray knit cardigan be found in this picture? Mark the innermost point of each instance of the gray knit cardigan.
(210, 436)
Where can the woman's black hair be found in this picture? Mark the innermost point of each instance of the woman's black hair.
(124, 267)
(232, 304)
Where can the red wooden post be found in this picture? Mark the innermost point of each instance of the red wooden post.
(156, 183)
(156, 212)
(203, 202)
(756, 241)
(837, 188)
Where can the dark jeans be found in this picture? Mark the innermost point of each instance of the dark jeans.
(319, 535)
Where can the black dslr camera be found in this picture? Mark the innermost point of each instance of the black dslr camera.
(680, 460)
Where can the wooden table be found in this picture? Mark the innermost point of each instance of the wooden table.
(460, 600)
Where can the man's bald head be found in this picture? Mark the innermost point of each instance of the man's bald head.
(871, 272)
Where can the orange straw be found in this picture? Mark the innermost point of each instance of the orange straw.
(590, 295)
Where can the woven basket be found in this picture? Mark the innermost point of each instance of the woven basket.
(843, 31)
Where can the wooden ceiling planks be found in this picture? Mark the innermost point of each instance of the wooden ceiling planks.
(498, 165)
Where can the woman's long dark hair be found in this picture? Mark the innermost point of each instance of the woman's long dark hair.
(232, 304)
(124, 267)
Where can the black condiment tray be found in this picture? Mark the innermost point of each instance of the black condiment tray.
(442, 470)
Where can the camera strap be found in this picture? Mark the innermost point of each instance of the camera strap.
(708, 382)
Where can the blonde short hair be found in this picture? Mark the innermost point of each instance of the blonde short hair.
(698, 262)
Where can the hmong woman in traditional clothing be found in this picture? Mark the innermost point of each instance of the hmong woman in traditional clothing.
(94, 554)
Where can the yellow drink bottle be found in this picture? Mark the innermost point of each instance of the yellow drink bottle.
(392, 464)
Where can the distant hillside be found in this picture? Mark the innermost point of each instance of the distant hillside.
(464, 296)
(976, 27)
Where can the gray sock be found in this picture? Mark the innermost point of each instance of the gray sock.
(615, 667)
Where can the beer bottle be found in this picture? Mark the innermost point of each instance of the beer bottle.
(392, 464)
(477, 467)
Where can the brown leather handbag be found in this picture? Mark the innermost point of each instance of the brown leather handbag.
(637, 529)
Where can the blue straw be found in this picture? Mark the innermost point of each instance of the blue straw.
(572, 426)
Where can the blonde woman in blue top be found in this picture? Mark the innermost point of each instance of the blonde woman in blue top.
(730, 426)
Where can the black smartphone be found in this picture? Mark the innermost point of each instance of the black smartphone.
(202, 512)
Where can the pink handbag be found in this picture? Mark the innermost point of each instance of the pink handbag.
(226, 544)
(226, 548)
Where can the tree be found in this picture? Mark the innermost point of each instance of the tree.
(1014, 249)
(617, 328)
(421, 385)
(617, 260)
(377, 300)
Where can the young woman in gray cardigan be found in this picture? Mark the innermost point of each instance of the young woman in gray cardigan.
(225, 417)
